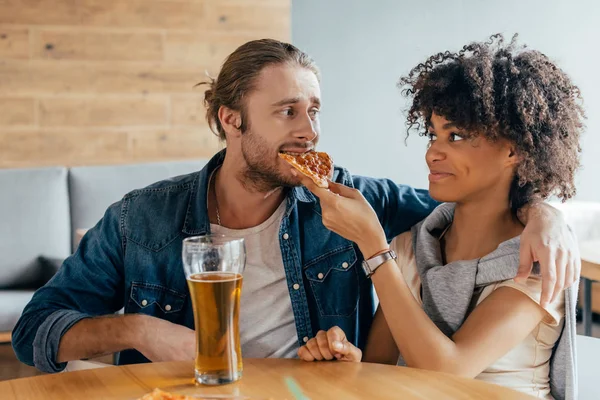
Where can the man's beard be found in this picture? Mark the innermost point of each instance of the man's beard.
(261, 173)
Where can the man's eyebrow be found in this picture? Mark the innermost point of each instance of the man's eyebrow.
(295, 100)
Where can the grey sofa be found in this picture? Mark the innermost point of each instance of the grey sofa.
(40, 211)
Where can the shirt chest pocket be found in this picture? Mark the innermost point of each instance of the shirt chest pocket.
(334, 282)
(155, 300)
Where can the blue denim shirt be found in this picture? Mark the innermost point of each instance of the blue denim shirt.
(132, 259)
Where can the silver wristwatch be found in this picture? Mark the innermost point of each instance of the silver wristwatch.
(370, 265)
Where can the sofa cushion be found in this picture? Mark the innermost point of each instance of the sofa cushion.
(35, 221)
(13, 302)
(93, 189)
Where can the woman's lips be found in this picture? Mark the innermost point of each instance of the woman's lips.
(438, 176)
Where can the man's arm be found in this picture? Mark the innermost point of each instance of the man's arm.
(398, 207)
(89, 283)
(96, 337)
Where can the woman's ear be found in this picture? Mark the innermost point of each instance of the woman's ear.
(512, 157)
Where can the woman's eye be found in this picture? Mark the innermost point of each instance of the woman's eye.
(431, 137)
(455, 137)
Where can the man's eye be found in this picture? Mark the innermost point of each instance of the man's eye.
(288, 112)
(314, 112)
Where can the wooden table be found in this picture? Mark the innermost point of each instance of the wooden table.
(263, 379)
(590, 272)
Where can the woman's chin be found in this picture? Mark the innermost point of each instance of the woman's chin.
(442, 195)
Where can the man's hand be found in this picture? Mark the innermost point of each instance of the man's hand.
(160, 340)
(548, 240)
(329, 345)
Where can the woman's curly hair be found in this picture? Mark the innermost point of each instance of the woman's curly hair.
(501, 91)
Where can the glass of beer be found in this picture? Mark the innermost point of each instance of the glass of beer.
(213, 267)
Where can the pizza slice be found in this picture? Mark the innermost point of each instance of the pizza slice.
(318, 166)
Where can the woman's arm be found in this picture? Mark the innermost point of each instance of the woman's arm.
(497, 325)
(381, 347)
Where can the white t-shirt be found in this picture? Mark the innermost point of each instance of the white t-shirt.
(267, 326)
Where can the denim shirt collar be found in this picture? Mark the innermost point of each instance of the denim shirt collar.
(196, 219)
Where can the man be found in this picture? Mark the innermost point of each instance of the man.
(300, 277)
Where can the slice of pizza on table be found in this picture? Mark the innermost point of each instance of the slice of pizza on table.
(317, 165)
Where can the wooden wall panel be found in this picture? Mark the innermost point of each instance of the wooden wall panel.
(30, 12)
(248, 16)
(188, 110)
(173, 143)
(103, 111)
(101, 46)
(89, 82)
(14, 42)
(53, 147)
(66, 77)
(150, 14)
(17, 112)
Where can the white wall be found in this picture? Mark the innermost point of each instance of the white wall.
(364, 46)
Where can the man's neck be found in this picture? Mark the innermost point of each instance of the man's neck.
(239, 206)
(478, 228)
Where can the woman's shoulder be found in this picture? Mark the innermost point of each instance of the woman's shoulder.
(403, 245)
(532, 288)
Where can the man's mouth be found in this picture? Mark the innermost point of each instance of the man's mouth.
(296, 152)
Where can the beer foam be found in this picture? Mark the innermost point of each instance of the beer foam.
(209, 277)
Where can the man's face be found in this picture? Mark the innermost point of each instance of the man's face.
(282, 115)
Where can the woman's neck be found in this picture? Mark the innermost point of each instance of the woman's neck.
(478, 228)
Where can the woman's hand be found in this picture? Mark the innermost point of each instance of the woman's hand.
(329, 345)
(346, 212)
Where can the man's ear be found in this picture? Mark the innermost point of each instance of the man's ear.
(231, 121)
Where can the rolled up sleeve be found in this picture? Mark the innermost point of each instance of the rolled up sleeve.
(47, 339)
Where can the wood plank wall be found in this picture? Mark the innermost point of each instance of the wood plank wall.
(88, 82)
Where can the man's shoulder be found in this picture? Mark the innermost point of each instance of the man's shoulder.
(166, 187)
(163, 203)
(365, 184)
(342, 175)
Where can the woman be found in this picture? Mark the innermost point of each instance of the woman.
(503, 126)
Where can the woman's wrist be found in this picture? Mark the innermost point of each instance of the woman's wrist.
(373, 247)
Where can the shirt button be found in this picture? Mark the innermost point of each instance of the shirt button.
(296, 286)
(168, 307)
(305, 340)
(320, 276)
(144, 303)
(286, 236)
(345, 265)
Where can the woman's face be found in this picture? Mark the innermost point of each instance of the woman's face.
(465, 166)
